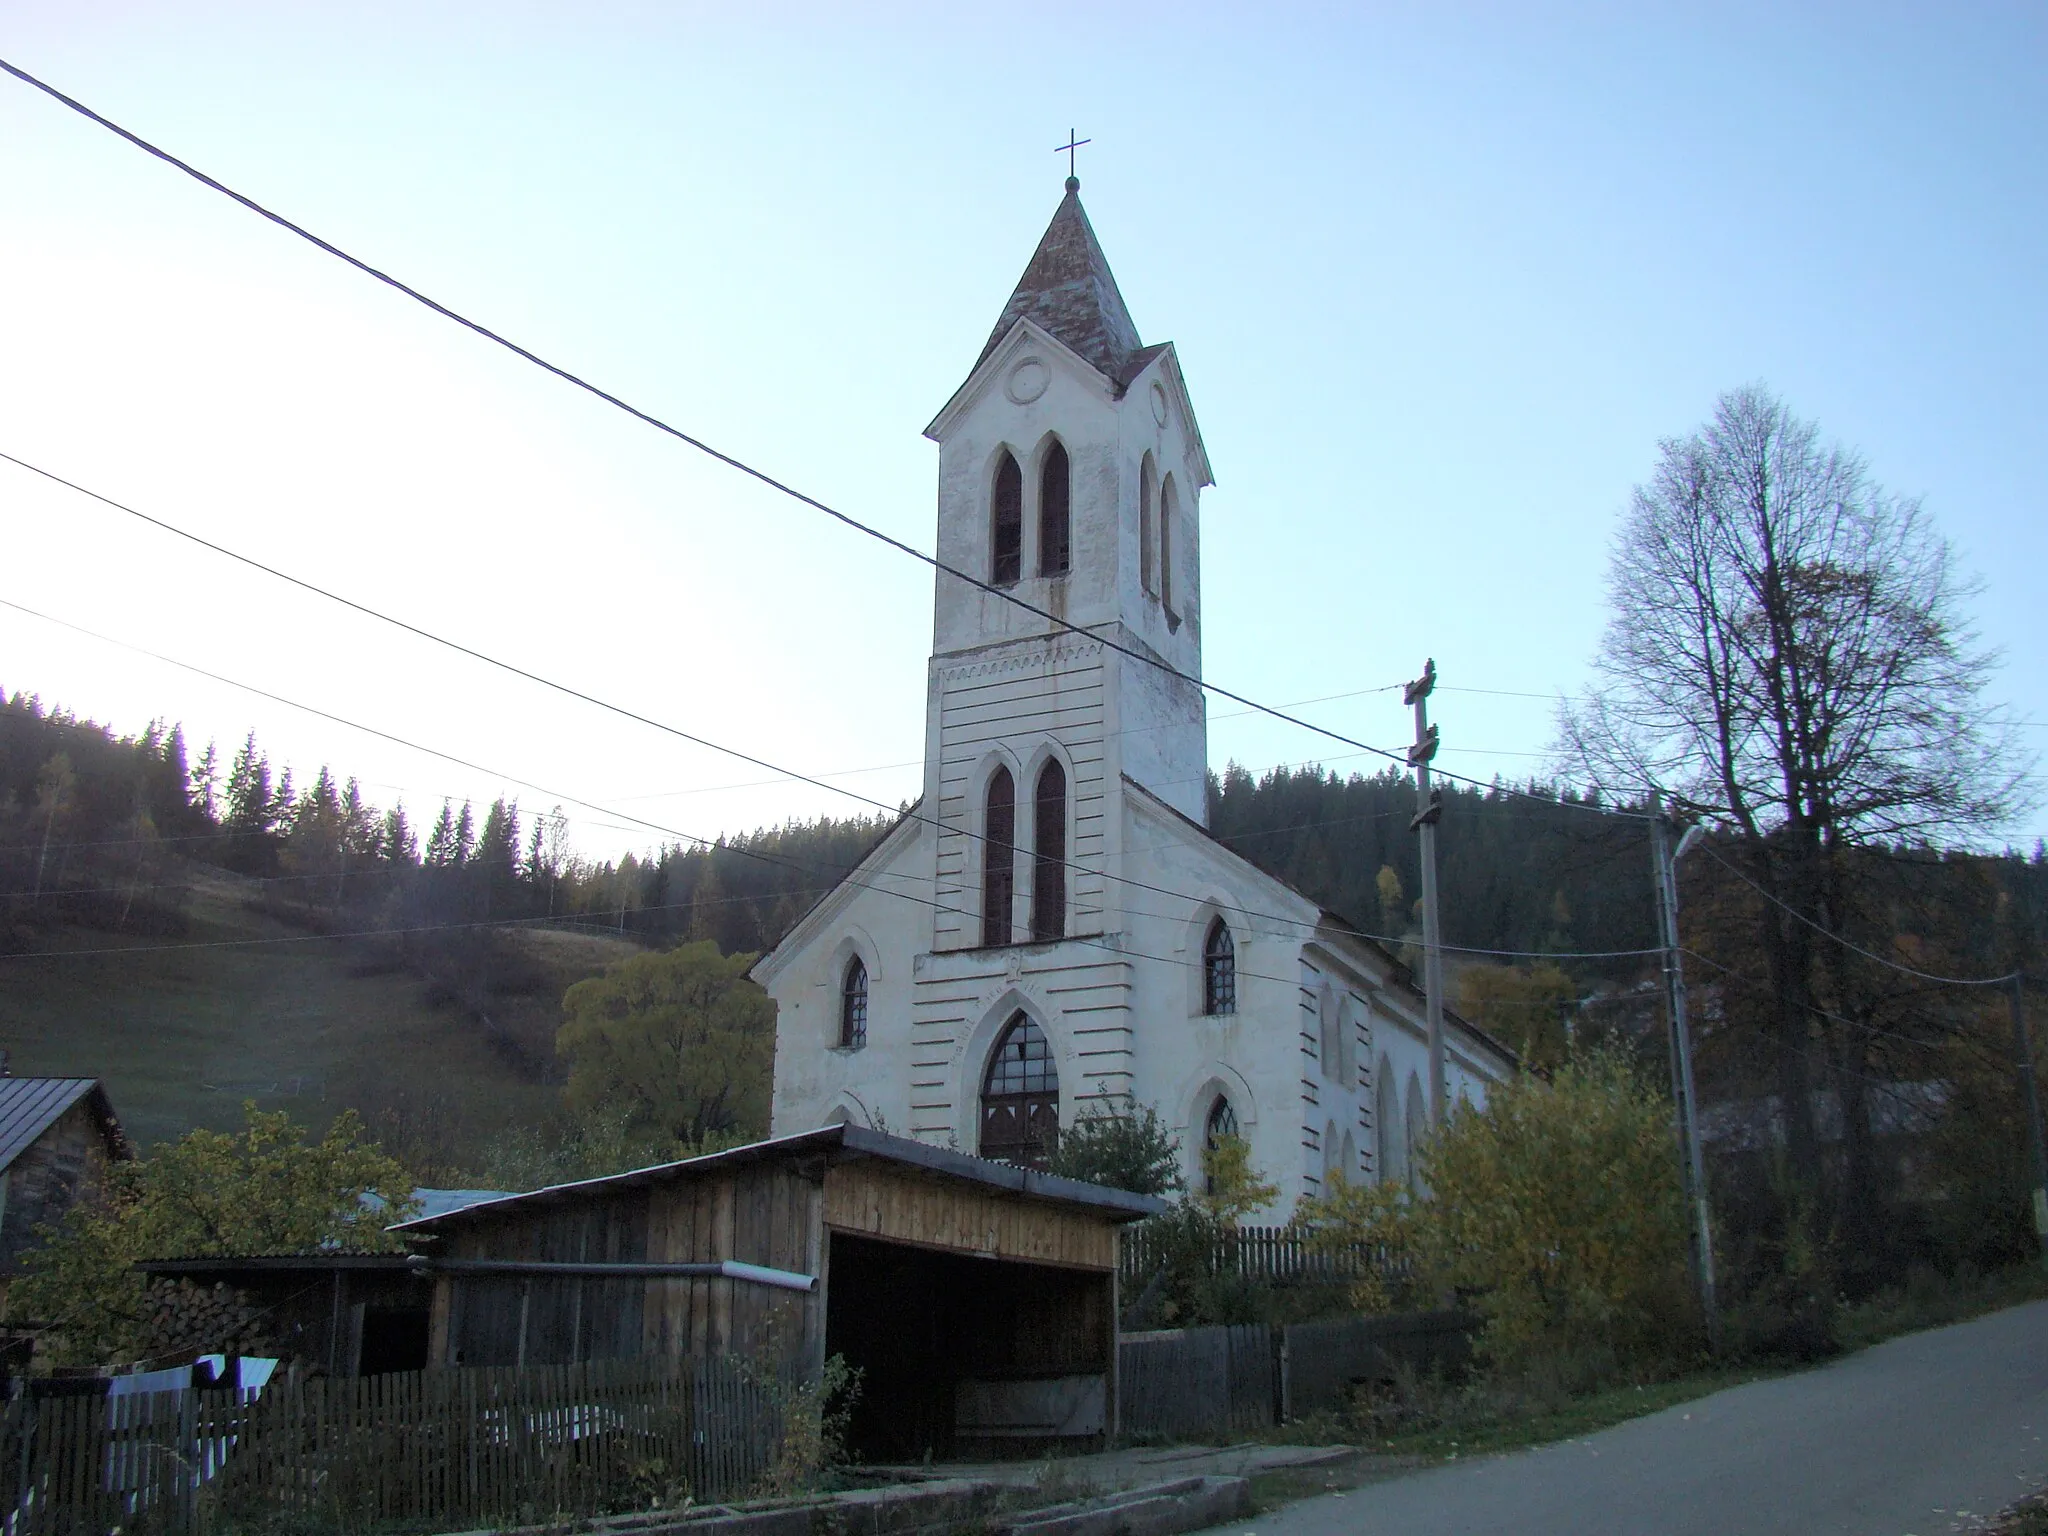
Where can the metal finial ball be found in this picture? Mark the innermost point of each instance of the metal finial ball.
(1073, 183)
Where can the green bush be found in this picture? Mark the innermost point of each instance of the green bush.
(1555, 1211)
(268, 1190)
(1116, 1143)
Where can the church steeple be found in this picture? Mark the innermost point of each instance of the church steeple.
(1068, 291)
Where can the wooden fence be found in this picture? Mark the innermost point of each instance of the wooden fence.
(1276, 1255)
(1212, 1383)
(459, 1446)
(1198, 1383)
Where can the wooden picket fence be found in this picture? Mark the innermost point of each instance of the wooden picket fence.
(466, 1447)
(1274, 1255)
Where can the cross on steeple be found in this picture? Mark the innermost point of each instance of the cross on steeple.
(1072, 144)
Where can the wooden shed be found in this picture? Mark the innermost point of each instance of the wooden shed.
(976, 1299)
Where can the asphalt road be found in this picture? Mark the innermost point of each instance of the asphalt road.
(1929, 1433)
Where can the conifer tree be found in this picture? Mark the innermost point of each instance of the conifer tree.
(441, 842)
(358, 823)
(203, 784)
(283, 803)
(495, 859)
(397, 845)
(465, 835)
(249, 801)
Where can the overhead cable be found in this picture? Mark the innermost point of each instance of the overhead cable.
(2003, 979)
(1247, 912)
(1135, 653)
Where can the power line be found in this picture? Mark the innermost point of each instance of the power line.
(1946, 981)
(621, 710)
(1247, 912)
(1757, 984)
(648, 418)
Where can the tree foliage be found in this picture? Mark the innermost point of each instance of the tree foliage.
(681, 1039)
(269, 1189)
(1526, 1006)
(1232, 1185)
(1121, 1144)
(1787, 656)
(1556, 1210)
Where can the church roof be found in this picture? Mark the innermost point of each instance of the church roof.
(1067, 290)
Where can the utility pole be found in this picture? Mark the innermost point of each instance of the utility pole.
(1429, 809)
(1664, 859)
(2023, 1052)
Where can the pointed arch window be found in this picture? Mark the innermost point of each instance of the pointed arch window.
(998, 858)
(1417, 1128)
(1391, 1141)
(1148, 519)
(1220, 1126)
(1169, 512)
(853, 1006)
(1049, 855)
(1219, 970)
(1020, 1096)
(1007, 518)
(1055, 519)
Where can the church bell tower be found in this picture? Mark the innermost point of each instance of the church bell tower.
(1070, 476)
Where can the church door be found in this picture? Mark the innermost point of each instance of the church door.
(1020, 1096)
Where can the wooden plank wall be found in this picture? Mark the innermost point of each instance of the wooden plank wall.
(874, 1199)
(759, 1214)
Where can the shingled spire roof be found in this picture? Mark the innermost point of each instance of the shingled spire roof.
(1067, 290)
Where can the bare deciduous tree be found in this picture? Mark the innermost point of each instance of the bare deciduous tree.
(1788, 657)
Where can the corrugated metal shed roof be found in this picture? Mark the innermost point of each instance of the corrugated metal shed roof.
(446, 1202)
(29, 1106)
(838, 1140)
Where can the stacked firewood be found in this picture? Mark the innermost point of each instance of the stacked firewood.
(216, 1319)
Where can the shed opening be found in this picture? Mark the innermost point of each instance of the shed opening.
(961, 1355)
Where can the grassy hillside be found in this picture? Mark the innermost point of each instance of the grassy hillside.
(313, 1025)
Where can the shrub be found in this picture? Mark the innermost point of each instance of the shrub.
(1556, 1210)
(1116, 1143)
(268, 1190)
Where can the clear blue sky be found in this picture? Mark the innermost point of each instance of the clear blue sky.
(1440, 279)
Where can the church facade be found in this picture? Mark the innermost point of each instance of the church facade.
(1051, 928)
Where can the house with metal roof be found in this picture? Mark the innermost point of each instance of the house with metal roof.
(57, 1136)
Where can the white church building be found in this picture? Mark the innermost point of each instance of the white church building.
(1052, 925)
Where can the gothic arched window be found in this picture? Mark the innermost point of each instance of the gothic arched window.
(1219, 970)
(1387, 1133)
(1148, 517)
(1055, 522)
(998, 858)
(1049, 854)
(1020, 1096)
(1417, 1128)
(1169, 512)
(853, 1005)
(1221, 1125)
(1008, 522)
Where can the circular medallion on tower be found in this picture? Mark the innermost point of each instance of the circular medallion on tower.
(1027, 381)
(1159, 402)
